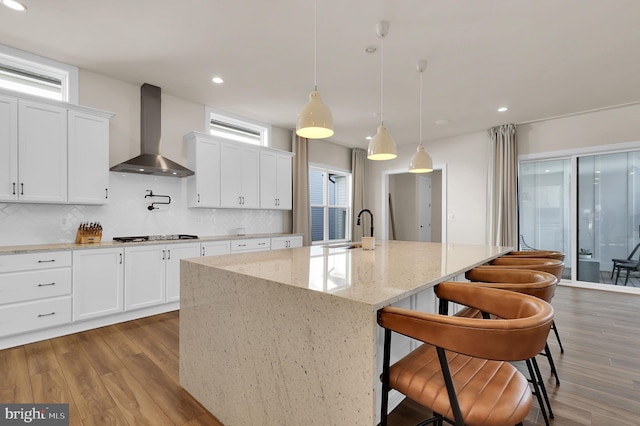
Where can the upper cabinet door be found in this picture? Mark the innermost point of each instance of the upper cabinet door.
(283, 182)
(250, 178)
(42, 152)
(239, 176)
(8, 149)
(275, 180)
(203, 156)
(88, 158)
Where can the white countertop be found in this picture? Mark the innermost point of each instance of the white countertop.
(391, 272)
(103, 244)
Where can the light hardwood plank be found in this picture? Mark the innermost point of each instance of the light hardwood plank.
(179, 405)
(14, 377)
(51, 387)
(134, 402)
(120, 344)
(99, 353)
(41, 357)
(89, 393)
(112, 417)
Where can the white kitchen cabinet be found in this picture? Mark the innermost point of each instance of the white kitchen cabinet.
(8, 148)
(144, 276)
(88, 145)
(250, 244)
(174, 253)
(35, 290)
(53, 152)
(289, 241)
(98, 282)
(203, 156)
(275, 180)
(42, 152)
(215, 248)
(239, 176)
(152, 273)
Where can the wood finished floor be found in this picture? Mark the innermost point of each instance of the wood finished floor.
(127, 373)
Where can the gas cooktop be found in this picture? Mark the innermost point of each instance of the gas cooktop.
(141, 238)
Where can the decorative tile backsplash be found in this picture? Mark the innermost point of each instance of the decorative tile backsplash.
(127, 214)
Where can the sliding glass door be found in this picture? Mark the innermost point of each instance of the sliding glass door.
(605, 190)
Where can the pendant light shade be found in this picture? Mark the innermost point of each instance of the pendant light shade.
(421, 161)
(382, 146)
(315, 120)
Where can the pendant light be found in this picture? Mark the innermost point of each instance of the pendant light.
(382, 146)
(421, 161)
(315, 120)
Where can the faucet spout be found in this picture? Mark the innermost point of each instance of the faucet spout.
(370, 215)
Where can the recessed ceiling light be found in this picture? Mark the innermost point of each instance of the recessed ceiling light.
(15, 5)
(217, 80)
(368, 138)
(503, 109)
(442, 121)
(370, 49)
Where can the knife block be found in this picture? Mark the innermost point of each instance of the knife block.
(88, 235)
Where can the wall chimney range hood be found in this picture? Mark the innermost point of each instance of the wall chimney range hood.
(150, 162)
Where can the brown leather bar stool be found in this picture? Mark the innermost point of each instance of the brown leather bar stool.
(462, 371)
(552, 266)
(534, 283)
(543, 254)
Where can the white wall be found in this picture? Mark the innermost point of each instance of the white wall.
(466, 160)
(612, 126)
(329, 154)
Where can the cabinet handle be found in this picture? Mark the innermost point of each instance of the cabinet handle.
(261, 244)
(198, 198)
(202, 254)
(169, 254)
(242, 245)
(46, 285)
(21, 188)
(120, 258)
(46, 315)
(46, 261)
(106, 193)
(239, 200)
(163, 255)
(14, 188)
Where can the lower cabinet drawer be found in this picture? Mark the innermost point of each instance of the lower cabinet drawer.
(33, 285)
(29, 316)
(254, 244)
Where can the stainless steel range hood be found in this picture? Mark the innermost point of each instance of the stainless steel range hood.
(150, 162)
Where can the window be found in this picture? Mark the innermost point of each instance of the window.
(230, 127)
(36, 75)
(330, 196)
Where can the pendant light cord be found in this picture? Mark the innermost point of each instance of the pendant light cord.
(315, 45)
(420, 118)
(381, 79)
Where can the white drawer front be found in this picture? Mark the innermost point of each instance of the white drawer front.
(251, 244)
(31, 261)
(32, 285)
(29, 316)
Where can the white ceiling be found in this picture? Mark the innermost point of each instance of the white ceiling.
(541, 58)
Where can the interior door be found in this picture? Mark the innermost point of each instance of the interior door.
(424, 208)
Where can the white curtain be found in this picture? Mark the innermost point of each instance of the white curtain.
(503, 186)
(358, 161)
(301, 206)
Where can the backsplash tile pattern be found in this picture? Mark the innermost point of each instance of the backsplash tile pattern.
(127, 214)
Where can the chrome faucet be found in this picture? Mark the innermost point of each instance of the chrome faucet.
(370, 214)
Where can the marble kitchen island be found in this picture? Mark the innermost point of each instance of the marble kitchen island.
(289, 337)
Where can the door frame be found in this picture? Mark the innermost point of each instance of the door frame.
(384, 208)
